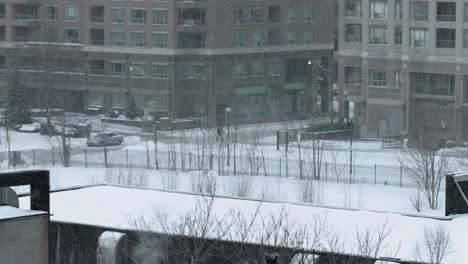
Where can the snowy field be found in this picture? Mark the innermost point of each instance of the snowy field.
(352, 196)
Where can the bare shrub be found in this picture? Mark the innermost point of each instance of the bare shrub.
(308, 190)
(170, 180)
(416, 202)
(127, 176)
(426, 167)
(372, 241)
(435, 248)
(239, 186)
(203, 182)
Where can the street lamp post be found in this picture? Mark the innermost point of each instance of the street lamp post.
(350, 122)
(228, 111)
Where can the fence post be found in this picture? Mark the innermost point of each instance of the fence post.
(401, 176)
(287, 165)
(147, 160)
(53, 158)
(190, 161)
(126, 158)
(375, 174)
(86, 158)
(14, 159)
(211, 161)
(168, 160)
(280, 167)
(105, 156)
(34, 157)
(326, 171)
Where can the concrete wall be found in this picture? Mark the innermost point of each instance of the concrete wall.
(24, 241)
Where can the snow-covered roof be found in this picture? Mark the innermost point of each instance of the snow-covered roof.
(8, 212)
(117, 207)
(460, 176)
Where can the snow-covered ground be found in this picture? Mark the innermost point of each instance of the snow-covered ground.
(119, 207)
(353, 196)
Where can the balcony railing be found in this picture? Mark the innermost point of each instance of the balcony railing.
(447, 18)
(97, 19)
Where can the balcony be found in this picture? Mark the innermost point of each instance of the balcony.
(96, 37)
(97, 14)
(25, 12)
(446, 11)
(191, 17)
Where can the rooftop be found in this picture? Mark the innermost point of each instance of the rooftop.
(8, 213)
(117, 207)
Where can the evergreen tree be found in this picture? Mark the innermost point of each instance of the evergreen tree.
(132, 111)
(17, 106)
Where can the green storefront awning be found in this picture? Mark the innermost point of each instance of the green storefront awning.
(295, 86)
(252, 90)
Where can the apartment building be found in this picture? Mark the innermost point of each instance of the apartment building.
(403, 66)
(189, 58)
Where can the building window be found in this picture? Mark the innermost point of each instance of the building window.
(51, 12)
(139, 39)
(274, 14)
(377, 34)
(446, 11)
(96, 36)
(353, 32)
(117, 15)
(239, 70)
(239, 16)
(160, 39)
(160, 71)
(307, 14)
(2, 62)
(398, 10)
(291, 15)
(446, 38)
(378, 9)
(377, 78)
(307, 37)
(191, 40)
(433, 84)
(274, 37)
(419, 37)
(397, 81)
(117, 68)
(352, 75)
(291, 37)
(138, 16)
(2, 33)
(97, 67)
(274, 68)
(190, 71)
(465, 38)
(257, 15)
(71, 35)
(257, 69)
(419, 10)
(71, 13)
(160, 16)
(190, 16)
(353, 8)
(2, 10)
(118, 38)
(257, 38)
(465, 12)
(398, 35)
(240, 39)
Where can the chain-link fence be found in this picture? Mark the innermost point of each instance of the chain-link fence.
(255, 165)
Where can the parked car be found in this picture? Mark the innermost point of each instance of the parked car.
(29, 128)
(105, 139)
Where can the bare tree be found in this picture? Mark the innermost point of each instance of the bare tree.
(435, 248)
(371, 242)
(198, 231)
(426, 166)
